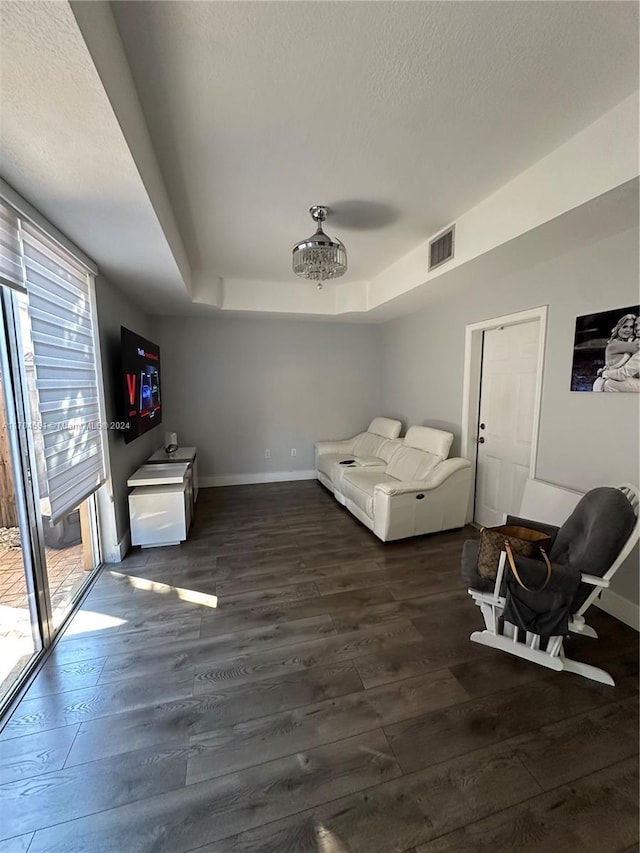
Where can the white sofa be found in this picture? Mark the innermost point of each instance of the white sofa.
(370, 449)
(418, 491)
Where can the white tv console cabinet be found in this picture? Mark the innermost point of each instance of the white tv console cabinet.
(181, 455)
(162, 500)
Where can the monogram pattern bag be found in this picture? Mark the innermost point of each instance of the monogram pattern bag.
(523, 541)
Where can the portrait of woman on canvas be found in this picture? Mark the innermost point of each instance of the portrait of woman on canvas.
(605, 351)
(625, 376)
(622, 345)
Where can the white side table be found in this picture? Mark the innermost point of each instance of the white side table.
(159, 475)
(160, 504)
(181, 455)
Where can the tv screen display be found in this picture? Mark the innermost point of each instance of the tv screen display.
(141, 384)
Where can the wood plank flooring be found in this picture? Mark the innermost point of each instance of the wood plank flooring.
(285, 683)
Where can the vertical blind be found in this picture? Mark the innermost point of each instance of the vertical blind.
(62, 332)
(11, 267)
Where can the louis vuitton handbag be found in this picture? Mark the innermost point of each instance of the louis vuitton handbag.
(523, 541)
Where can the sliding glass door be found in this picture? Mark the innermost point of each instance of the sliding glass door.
(45, 560)
(22, 614)
(20, 628)
(52, 448)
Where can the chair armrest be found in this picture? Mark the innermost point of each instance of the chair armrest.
(345, 446)
(594, 580)
(436, 478)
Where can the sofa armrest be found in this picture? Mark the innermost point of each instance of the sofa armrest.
(345, 446)
(400, 487)
(436, 478)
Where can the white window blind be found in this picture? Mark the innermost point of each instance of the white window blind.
(59, 294)
(11, 267)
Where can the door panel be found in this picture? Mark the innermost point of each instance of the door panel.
(492, 477)
(525, 406)
(507, 406)
(20, 626)
(520, 476)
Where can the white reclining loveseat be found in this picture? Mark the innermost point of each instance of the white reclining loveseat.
(418, 491)
(370, 449)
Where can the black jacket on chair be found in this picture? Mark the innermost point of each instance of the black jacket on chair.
(588, 542)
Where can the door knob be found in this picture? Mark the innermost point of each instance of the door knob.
(481, 440)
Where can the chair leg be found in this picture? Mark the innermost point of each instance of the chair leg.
(489, 615)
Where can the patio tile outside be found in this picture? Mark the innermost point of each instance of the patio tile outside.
(66, 574)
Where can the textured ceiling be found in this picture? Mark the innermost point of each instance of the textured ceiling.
(260, 109)
(62, 149)
(400, 116)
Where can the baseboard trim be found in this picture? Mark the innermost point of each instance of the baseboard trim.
(621, 608)
(252, 479)
(122, 547)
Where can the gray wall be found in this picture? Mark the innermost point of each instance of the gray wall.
(115, 310)
(235, 387)
(585, 439)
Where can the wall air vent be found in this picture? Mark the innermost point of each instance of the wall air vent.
(441, 248)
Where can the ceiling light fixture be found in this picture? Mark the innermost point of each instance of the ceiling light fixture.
(319, 257)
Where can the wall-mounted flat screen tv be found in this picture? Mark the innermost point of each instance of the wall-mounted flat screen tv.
(141, 384)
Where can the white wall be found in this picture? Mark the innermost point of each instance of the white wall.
(115, 310)
(592, 163)
(585, 439)
(235, 387)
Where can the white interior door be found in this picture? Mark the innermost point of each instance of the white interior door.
(506, 422)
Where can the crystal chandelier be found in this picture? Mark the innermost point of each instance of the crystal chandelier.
(319, 257)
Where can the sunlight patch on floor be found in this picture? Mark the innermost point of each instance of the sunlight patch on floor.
(12, 617)
(86, 621)
(16, 637)
(328, 842)
(190, 595)
(11, 650)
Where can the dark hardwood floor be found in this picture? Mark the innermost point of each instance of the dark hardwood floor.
(284, 682)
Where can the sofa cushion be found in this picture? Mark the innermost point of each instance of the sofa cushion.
(358, 485)
(389, 448)
(326, 463)
(368, 444)
(408, 463)
(386, 427)
(330, 464)
(435, 441)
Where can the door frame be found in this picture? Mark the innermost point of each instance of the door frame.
(472, 375)
(27, 460)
